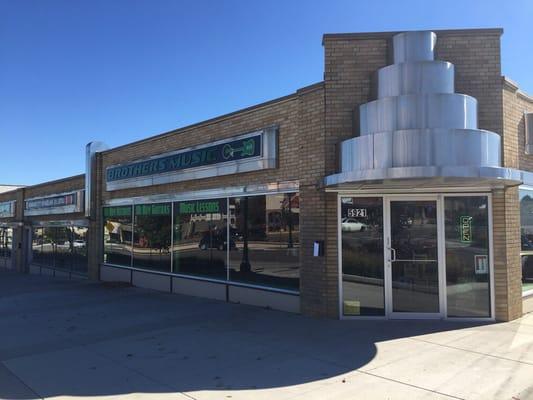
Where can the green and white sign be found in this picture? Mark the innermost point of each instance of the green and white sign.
(248, 152)
(201, 206)
(152, 209)
(235, 150)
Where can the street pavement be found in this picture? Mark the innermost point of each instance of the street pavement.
(72, 339)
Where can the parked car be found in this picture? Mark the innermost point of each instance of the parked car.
(353, 225)
(526, 243)
(527, 268)
(216, 240)
(78, 243)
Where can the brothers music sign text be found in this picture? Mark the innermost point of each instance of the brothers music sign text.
(238, 149)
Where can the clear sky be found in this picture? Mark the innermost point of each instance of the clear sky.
(122, 70)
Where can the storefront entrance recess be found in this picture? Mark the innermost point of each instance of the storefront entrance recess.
(415, 256)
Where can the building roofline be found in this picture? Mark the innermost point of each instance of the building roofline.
(386, 35)
(508, 83)
(55, 181)
(222, 117)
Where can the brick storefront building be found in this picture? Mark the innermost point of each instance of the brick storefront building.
(395, 188)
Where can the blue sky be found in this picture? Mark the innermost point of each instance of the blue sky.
(122, 70)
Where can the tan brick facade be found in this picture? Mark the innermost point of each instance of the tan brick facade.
(312, 123)
(515, 104)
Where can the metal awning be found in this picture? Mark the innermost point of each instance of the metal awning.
(422, 178)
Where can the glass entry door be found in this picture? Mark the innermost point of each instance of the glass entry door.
(412, 258)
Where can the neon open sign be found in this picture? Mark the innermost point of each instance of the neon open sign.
(465, 223)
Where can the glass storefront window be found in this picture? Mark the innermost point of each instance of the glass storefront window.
(79, 249)
(49, 246)
(37, 240)
(526, 238)
(414, 265)
(467, 256)
(6, 247)
(526, 219)
(265, 230)
(362, 256)
(152, 236)
(118, 235)
(258, 234)
(61, 247)
(200, 238)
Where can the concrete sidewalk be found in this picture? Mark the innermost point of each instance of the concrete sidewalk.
(62, 339)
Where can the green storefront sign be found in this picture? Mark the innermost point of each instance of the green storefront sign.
(152, 209)
(124, 211)
(234, 150)
(201, 207)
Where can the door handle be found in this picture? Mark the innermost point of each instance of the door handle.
(393, 254)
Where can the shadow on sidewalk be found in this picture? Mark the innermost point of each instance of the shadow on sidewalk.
(87, 339)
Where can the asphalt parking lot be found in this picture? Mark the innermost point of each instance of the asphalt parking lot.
(65, 339)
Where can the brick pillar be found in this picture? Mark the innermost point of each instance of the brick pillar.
(19, 244)
(506, 250)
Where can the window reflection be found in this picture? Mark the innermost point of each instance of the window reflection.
(61, 247)
(467, 256)
(415, 277)
(49, 245)
(526, 238)
(362, 256)
(266, 234)
(200, 238)
(6, 247)
(118, 235)
(259, 235)
(151, 236)
(37, 245)
(526, 219)
(79, 249)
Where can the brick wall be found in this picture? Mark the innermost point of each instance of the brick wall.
(515, 104)
(509, 280)
(54, 187)
(351, 60)
(506, 242)
(301, 155)
(282, 112)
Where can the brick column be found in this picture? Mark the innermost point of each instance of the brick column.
(506, 250)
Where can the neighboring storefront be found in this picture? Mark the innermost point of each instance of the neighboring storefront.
(7, 212)
(395, 188)
(54, 218)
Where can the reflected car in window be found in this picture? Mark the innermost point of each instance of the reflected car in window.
(527, 268)
(78, 243)
(353, 225)
(215, 241)
(526, 243)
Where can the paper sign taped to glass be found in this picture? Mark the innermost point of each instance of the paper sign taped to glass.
(481, 264)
